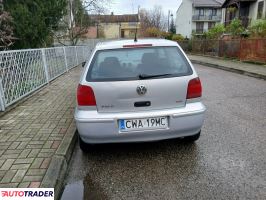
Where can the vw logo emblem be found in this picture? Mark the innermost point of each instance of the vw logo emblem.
(141, 90)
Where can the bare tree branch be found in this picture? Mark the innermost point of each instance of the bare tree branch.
(6, 30)
(78, 21)
(154, 18)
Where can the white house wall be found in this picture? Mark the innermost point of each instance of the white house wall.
(253, 10)
(184, 18)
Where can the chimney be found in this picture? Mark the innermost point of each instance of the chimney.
(112, 13)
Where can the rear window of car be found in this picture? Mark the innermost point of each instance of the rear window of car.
(133, 63)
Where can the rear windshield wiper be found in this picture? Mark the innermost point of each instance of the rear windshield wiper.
(145, 76)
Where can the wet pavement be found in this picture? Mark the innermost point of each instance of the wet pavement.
(227, 162)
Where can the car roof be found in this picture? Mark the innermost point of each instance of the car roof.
(116, 44)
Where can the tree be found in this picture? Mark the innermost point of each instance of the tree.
(152, 19)
(34, 21)
(78, 21)
(172, 26)
(6, 30)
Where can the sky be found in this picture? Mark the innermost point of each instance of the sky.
(131, 6)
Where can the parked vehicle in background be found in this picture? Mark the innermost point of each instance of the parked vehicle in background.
(138, 91)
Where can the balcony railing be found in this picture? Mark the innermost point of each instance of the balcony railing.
(244, 20)
(206, 18)
(199, 31)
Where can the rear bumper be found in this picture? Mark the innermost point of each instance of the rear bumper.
(94, 127)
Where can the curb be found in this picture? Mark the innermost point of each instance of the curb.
(238, 71)
(54, 177)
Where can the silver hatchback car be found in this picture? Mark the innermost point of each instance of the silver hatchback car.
(138, 91)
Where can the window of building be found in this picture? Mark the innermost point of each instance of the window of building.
(211, 25)
(260, 9)
(199, 27)
(201, 12)
(213, 11)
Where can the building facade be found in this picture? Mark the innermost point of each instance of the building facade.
(116, 26)
(198, 16)
(248, 11)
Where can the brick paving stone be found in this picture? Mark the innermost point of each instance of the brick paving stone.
(24, 185)
(4, 143)
(35, 126)
(24, 139)
(2, 173)
(1, 163)
(8, 185)
(45, 154)
(9, 156)
(45, 163)
(48, 144)
(44, 137)
(7, 164)
(37, 142)
(13, 139)
(36, 172)
(63, 131)
(37, 163)
(24, 161)
(20, 166)
(22, 145)
(58, 137)
(8, 176)
(56, 144)
(47, 150)
(24, 153)
(32, 178)
(34, 146)
(34, 184)
(46, 130)
(19, 176)
(34, 153)
(13, 151)
(3, 147)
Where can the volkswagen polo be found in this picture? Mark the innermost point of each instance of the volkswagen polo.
(136, 91)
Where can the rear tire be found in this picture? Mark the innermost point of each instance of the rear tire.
(83, 146)
(192, 138)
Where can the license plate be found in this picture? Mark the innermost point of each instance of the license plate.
(143, 124)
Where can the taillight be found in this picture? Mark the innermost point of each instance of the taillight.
(85, 96)
(194, 89)
(137, 45)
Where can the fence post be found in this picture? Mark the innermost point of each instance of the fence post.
(2, 97)
(76, 56)
(65, 58)
(240, 47)
(83, 54)
(45, 65)
(204, 46)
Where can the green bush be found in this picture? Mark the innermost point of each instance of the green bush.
(258, 29)
(235, 28)
(215, 32)
(177, 37)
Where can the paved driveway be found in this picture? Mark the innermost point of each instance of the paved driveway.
(228, 161)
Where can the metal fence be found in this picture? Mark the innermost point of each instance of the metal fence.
(24, 71)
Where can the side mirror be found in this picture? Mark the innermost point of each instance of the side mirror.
(83, 64)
